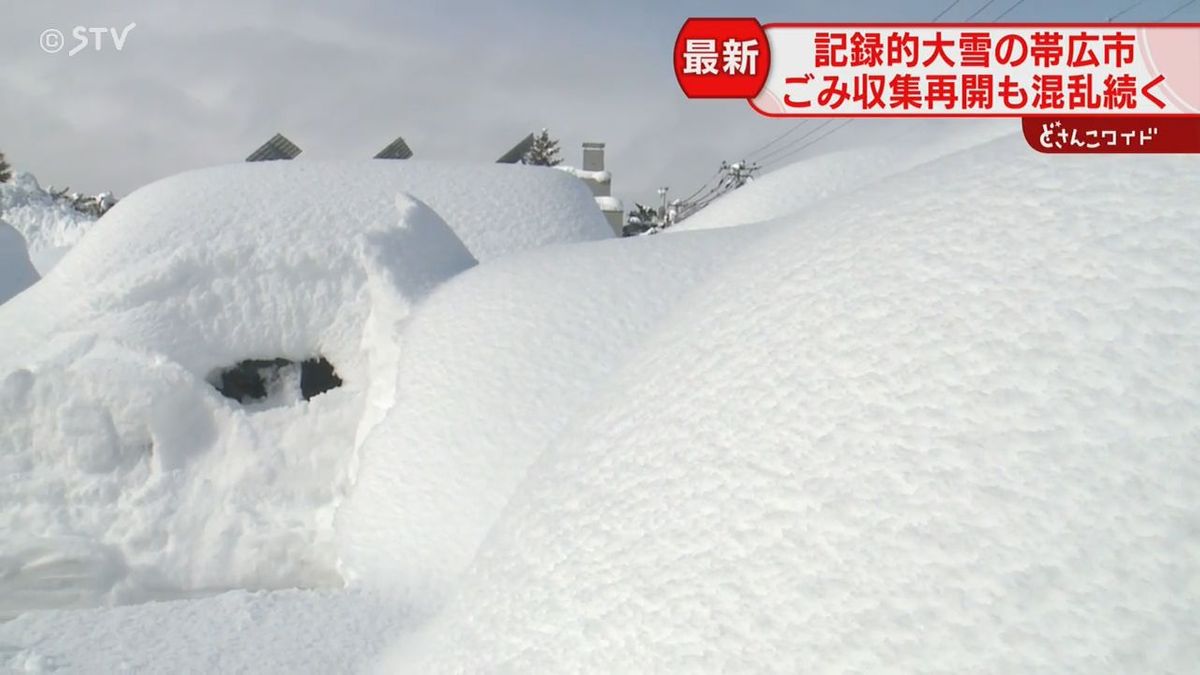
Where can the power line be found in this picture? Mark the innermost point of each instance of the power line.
(1179, 9)
(686, 209)
(778, 138)
(1125, 11)
(766, 157)
(790, 148)
(793, 129)
(712, 192)
(702, 186)
(701, 203)
(1003, 14)
(780, 156)
(979, 11)
(816, 140)
(1006, 12)
(943, 12)
(690, 204)
(792, 143)
(798, 145)
(734, 179)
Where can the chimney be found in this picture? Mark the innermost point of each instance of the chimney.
(593, 156)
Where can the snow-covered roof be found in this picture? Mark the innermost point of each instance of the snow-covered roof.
(609, 204)
(594, 176)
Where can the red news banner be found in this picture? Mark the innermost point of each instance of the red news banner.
(1078, 88)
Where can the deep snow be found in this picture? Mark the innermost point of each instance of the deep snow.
(289, 632)
(126, 475)
(948, 429)
(941, 420)
(493, 366)
(50, 226)
(887, 148)
(16, 271)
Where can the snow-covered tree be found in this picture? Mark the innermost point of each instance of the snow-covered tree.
(94, 206)
(642, 220)
(543, 152)
(5, 170)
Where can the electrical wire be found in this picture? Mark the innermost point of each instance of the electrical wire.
(979, 11)
(816, 140)
(943, 12)
(702, 187)
(764, 159)
(788, 132)
(1006, 12)
(791, 144)
(1124, 11)
(1178, 9)
(780, 137)
(793, 147)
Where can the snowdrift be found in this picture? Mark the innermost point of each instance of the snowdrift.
(127, 476)
(882, 149)
(50, 226)
(492, 367)
(16, 272)
(950, 429)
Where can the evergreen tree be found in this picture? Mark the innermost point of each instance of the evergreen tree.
(94, 206)
(642, 219)
(5, 170)
(543, 152)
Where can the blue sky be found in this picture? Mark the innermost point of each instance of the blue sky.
(199, 84)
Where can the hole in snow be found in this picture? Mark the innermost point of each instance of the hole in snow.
(317, 376)
(270, 383)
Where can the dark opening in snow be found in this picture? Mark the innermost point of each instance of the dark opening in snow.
(275, 382)
(317, 376)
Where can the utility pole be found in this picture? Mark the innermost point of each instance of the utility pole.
(739, 173)
(730, 177)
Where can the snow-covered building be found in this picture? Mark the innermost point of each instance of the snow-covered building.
(593, 173)
(599, 180)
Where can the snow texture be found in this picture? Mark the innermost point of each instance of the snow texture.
(493, 366)
(16, 272)
(291, 631)
(883, 150)
(945, 425)
(50, 226)
(936, 416)
(126, 475)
